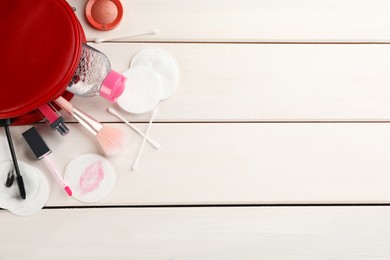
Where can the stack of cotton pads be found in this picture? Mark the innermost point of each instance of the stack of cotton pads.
(37, 190)
(153, 76)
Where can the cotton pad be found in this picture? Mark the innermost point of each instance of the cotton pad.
(163, 63)
(38, 201)
(143, 90)
(10, 197)
(91, 176)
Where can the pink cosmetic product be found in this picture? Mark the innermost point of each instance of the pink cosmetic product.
(94, 76)
(41, 152)
(55, 119)
(104, 15)
(92, 177)
(111, 140)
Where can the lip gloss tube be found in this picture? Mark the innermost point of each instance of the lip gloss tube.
(41, 152)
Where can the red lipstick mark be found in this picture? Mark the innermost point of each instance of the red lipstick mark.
(91, 178)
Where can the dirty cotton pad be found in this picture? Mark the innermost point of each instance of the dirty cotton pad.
(163, 63)
(91, 177)
(10, 197)
(38, 201)
(143, 90)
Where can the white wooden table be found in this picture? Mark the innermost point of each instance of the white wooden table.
(276, 144)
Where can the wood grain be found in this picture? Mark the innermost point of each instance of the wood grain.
(238, 82)
(250, 20)
(280, 102)
(235, 164)
(200, 233)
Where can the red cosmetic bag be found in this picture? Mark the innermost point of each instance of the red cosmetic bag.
(41, 44)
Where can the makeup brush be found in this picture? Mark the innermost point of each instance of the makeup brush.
(150, 32)
(112, 140)
(5, 123)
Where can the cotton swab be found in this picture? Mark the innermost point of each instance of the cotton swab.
(150, 32)
(135, 164)
(155, 144)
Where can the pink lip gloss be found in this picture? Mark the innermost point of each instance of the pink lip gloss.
(55, 119)
(41, 151)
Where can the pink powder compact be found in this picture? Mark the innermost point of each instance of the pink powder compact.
(104, 15)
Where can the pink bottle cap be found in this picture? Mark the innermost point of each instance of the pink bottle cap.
(113, 86)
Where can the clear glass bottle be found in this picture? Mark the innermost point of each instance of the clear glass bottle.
(94, 76)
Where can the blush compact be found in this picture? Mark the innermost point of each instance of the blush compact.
(104, 15)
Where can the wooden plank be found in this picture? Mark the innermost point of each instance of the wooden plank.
(251, 20)
(198, 233)
(235, 164)
(246, 82)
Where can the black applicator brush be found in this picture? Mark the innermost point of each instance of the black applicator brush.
(5, 123)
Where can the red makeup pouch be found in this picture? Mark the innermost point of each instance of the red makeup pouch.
(41, 46)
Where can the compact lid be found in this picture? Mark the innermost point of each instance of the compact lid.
(41, 46)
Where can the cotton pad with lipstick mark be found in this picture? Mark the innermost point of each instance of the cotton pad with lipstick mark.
(91, 176)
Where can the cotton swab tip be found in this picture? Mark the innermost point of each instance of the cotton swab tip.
(157, 146)
(99, 40)
(112, 111)
(68, 190)
(155, 31)
(134, 167)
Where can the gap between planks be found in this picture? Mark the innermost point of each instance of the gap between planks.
(248, 122)
(274, 205)
(249, 42)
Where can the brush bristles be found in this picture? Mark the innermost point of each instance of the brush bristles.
(112, 140)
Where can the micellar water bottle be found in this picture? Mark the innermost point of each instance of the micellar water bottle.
(94, 76)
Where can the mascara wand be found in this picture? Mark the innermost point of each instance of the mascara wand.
(5, 123)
